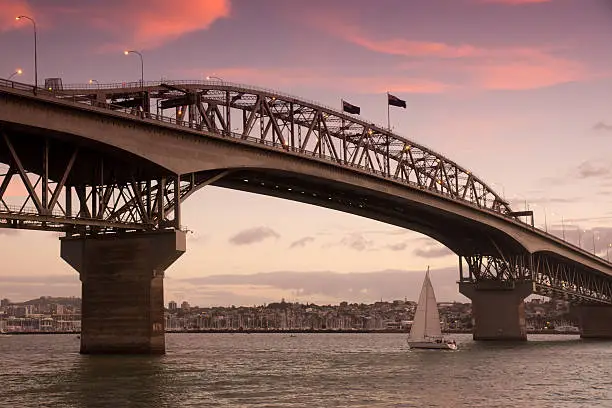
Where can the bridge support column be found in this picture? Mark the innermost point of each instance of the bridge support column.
(595, 321)
(123, 291)
(498, 310)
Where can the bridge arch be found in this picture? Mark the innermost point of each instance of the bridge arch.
(251, 132)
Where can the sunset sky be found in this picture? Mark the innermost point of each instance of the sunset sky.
(517, 91)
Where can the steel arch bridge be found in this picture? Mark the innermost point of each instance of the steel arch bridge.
(293, 124)
(86, 187)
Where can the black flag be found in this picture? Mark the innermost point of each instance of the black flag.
(347, 107)
(395, 101)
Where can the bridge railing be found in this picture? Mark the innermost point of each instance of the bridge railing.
(253, 140)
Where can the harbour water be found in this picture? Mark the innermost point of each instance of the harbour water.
(308, 370)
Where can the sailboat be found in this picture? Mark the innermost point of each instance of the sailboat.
(426, 332)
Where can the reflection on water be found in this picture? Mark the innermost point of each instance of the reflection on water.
(314, 370)
(95, 381)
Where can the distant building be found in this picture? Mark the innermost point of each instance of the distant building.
(4, 302)
(57, 309)
(23, 311)
(185, 306)
(172, 305)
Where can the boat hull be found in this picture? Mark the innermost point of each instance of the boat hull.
(432, 345)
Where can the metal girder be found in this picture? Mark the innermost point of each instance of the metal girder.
(321, 132)
(36, 201)
(551, 277)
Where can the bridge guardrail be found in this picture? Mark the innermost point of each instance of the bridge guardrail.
(225, 134)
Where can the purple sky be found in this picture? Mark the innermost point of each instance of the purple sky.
(519, 92)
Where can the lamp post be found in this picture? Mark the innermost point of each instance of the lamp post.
(94, 81)
(208, 78)
(127, 52)
(35, 49)
(563, 227)
(17, 72)
(608, 252)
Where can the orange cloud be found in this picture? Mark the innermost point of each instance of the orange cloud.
(161, 21)
(9, 9)
(133, 23)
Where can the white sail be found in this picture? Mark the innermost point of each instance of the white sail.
(426, 323)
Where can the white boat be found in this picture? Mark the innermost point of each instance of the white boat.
(426, 332)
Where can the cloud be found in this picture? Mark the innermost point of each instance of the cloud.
(537, 71)
(132, 23)
(253, 236)
(316, 286)
(590, 170)
(301, 242)
(356, 241)
(397, 247)
(433, 251)
(161, 21)
(9, 9)
(22, 288)
(601, 126)
(491, 68)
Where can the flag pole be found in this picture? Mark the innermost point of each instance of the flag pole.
(388, 113)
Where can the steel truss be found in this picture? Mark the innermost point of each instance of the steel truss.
(292, 124)
(551, 277)
(34, 200)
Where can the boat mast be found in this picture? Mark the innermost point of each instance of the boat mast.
(426, 297)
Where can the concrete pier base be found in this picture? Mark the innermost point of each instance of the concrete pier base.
(122, 289)
(595, 321)
(498, 310)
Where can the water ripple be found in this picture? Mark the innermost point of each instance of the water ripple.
(314, 370)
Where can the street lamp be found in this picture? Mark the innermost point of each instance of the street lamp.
(18, 72)
(127, 52)
(94, 81)
(208, 78)
(35, 50)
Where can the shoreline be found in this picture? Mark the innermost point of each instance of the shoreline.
(294, 331)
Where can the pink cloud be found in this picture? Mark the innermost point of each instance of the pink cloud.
(132, 23)
(161, 21)
(511, 68)
(9, 9)
(521, 75)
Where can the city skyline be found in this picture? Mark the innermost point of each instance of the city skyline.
(526, 109)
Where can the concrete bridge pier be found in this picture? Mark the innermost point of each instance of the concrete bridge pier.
(123, 290)
(498, 309)
(595, 321)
